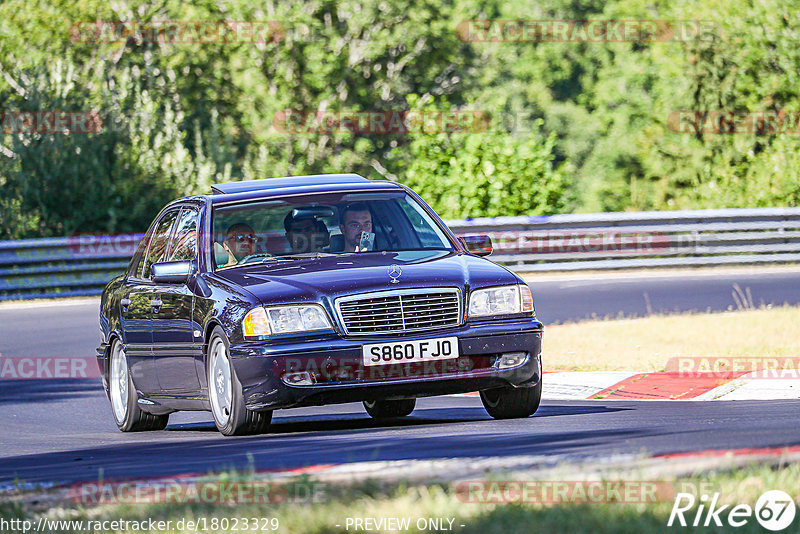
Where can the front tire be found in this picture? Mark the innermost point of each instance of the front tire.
(386, 409)
(512, 403)
(225, 392)
(122, 394)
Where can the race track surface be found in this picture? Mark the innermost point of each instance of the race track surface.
(62, 430)
(442, 427)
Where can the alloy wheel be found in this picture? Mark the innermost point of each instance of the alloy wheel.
(118, 383)
(220, 384)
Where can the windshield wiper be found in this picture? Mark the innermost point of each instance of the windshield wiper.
(298, 256)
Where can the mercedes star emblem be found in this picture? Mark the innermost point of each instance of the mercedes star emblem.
(394, 273)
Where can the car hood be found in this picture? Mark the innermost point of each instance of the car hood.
(323, 279)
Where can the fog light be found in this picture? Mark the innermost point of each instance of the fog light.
(303, 378)
(510, 359)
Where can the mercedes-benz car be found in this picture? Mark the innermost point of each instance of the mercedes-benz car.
(312, 290)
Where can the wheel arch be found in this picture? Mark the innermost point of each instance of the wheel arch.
(112, 337)
(210, 326)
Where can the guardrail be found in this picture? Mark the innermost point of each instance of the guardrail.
(62, 266)
(641, 239)
(82, 265)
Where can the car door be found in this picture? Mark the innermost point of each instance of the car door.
(176, 348)
(136, 309)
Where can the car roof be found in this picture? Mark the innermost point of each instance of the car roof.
(287, 182)
(297, 185)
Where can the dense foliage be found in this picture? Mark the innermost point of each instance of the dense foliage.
(571, 126)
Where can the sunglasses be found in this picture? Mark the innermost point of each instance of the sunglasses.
(241, 238)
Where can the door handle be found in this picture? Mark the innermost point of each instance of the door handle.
(125, 303)
(156, 303)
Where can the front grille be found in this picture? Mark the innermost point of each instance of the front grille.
(400, 311)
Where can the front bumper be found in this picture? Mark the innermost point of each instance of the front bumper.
(340, 376)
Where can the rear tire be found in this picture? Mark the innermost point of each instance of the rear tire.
(225, 392)
(510, 402)
(386, 409)
(122, 394)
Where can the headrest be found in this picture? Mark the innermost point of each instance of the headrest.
(337, 243)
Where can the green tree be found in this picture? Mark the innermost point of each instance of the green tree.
(112, 180)
(485, 173)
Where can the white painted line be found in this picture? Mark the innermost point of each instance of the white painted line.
(720, 392)
(580, 384)
(50, 303)
(750, 387)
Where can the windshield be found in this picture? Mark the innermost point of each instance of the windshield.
(289, 228)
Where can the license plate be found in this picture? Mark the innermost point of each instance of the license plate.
(423, 350)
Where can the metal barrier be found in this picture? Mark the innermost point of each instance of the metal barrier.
(641, 239)
(82, 265)
(62, 266)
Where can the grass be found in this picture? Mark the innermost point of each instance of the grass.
(647, 343)
(377, 500)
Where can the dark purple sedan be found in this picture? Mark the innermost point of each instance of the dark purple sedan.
(312, 290)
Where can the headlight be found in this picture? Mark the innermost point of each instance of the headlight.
(285, 319)
(503, 300)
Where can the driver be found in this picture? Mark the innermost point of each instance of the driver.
(240, 242)
(355, 218)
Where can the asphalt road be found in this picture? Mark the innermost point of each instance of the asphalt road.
(63, 430)
(631, 295)
(71, 437)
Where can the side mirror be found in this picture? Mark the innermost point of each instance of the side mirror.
(171, 272)
(480, 245)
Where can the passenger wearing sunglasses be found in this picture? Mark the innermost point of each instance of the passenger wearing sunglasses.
(240, 242)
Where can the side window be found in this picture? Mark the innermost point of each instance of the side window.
(184, 239)
(141, 249)
(157, 250)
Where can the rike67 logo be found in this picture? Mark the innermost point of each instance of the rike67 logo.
(774, 511)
